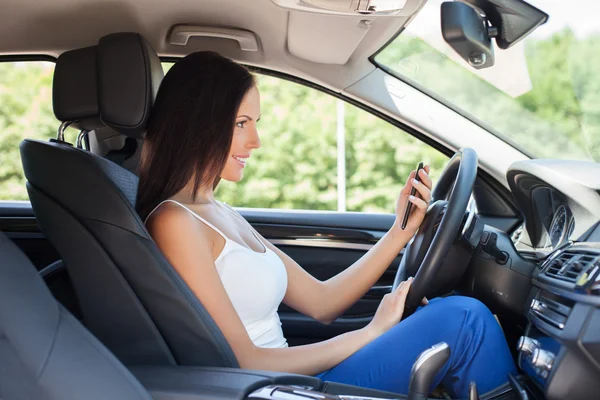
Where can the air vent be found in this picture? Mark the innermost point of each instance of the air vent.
(569, 265)
(551, 309)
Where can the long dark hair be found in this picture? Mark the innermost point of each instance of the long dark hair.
(191, 127)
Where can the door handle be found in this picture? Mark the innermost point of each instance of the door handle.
(379, 290)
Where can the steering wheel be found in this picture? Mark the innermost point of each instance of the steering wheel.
(436, 256)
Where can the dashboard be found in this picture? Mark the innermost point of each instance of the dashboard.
(560, 349)
(555, 219)
(559, 199)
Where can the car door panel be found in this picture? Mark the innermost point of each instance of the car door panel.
(324, 246)
(323, 243)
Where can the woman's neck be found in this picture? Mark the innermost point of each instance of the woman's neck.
(202, 196)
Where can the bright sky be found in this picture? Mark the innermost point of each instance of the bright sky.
(580, 15)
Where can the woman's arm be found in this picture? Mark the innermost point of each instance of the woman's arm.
(325, 301)
(188, 246)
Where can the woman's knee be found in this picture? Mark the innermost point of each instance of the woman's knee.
(468, 306)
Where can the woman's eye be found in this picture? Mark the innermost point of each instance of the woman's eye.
(240, 124)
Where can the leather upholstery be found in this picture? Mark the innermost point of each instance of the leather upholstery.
(74, 88)
(127, 64)
(45, 352)
(130, 296)
(112, 84)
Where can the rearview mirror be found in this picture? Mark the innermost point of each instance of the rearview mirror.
(466, 31)
(469, 26)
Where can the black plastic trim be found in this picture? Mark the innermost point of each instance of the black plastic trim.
(56, 266)
(567, 294)
(27, 57)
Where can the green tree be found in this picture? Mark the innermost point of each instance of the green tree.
(25, 112)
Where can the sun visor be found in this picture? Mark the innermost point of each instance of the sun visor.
(325, 39)
(329, 32)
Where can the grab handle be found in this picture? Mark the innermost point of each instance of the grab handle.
(181, 34)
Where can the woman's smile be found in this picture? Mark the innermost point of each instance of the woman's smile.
(241, 160)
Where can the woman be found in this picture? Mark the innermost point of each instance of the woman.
(203, 129)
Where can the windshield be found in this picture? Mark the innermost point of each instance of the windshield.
(542, 95)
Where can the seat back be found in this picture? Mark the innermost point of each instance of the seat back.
(45, 353)
(130, 296)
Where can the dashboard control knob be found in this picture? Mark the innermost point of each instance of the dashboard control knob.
(527, 345)
(542, 359)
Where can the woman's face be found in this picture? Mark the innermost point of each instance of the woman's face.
(245, 137)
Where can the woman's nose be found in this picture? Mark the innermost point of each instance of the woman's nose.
(254, 139)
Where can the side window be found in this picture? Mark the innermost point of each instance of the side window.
(25, 112)
(379, 158)
(295, 168)
(303, 133)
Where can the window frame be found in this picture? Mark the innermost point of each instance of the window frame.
(26, 58)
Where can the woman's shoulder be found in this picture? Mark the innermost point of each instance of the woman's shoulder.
(172, 218)
(180, 237)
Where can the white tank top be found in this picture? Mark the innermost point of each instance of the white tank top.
(255, 283)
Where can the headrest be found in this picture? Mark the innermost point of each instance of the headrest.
(112, 84)
(74, 88)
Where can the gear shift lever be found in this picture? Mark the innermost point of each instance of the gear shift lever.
(424, 370)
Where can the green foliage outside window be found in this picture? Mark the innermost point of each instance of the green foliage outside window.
(25, 111)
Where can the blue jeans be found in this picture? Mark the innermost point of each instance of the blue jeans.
(478, 350)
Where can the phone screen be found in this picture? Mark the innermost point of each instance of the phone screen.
(413, 191)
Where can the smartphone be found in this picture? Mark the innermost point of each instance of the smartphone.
(413, 192)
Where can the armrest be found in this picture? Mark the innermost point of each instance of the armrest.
(191, 383)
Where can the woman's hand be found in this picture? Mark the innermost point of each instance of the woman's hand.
(390, 310)
(420, 201)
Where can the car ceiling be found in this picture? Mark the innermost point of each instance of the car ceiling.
(330, 50)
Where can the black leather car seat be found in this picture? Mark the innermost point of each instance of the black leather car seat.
(45, 353)
(130, 297)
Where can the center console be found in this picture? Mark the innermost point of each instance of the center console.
(192, 383)
(560, 350)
